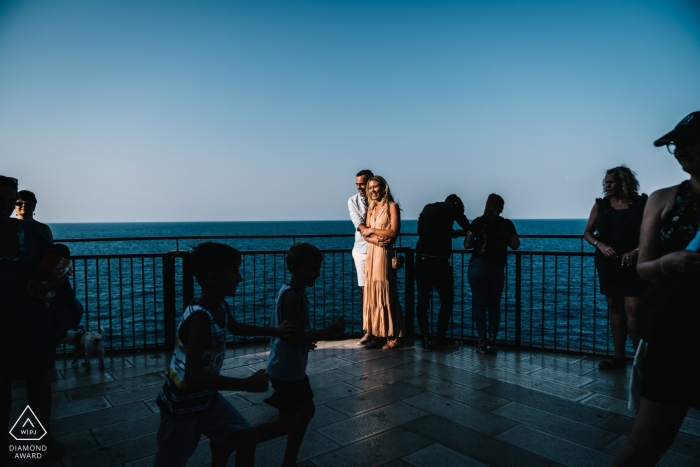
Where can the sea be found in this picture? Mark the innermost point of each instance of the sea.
(120, 281)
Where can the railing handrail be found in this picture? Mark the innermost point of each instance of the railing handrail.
(253, 237)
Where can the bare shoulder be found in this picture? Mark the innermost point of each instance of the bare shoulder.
(662, 197)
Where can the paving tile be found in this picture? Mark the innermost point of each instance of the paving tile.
(612, 376)
(241, 371)
(608, 389)
(134, 395)
(464, 394)
(437, 455)
(84, 380)
(548, 403)
(314, 445)
(370, 366)
(479, 420)
(326, 378)
(101, 389)
(556, 425)
(117, 453)
(687, 445)
(379, 397)
(259, 413)
(371, 423)
(459, 376)
(565, 452)
(128, 429)
(363, 355)
(103, 417)
(77, 442)
(616, 423)
(392, 375)
(691, 426)
(125, 373)
(486, 449)
(549, 387)
(325, 416)
(567, 379)
(79, 407)
(611, 404)
(376, 450)
(324, 365)
(326, 394)
(243, 360)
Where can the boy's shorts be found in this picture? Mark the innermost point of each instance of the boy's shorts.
(289, 395)
(177, 439)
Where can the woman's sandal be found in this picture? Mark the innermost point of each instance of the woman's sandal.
(612, 363)
(392, 344)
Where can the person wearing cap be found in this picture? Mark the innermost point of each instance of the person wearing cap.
(433, 268)
(666, 376)
(613, 230)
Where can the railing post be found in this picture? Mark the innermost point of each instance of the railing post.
(187, 279)
(169, 314)
(410, 293)
(518, 298)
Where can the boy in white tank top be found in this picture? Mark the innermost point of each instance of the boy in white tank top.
(190, 404)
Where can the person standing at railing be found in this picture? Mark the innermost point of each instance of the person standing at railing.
(613, 229)
(24, 208)
(357, 205)
(433, 268)
(30, 308)
(381, 309)
(667, 365)
(490, 235)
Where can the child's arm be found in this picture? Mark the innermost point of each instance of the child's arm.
(292, 305)
(196, 334)
(285, 329)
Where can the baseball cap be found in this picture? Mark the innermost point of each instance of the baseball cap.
(687, 129)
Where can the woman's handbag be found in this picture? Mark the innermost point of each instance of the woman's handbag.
(670, 313)
(397, 262)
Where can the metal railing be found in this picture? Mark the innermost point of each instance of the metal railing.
(550, 299)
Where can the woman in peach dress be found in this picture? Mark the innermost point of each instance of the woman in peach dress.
(381, 310)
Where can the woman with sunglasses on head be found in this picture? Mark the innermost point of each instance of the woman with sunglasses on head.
(666, 374)
(29, 313)
(25, 206)
(381, 310)
(613, 229)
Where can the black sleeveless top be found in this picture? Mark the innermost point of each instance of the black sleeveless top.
(680, 227)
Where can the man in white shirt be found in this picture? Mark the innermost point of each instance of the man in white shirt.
(357, 205)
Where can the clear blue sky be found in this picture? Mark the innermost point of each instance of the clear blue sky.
(205, 111)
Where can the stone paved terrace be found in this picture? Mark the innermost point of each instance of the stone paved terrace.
(396, 408)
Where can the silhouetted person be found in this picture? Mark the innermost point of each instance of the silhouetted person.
(669, 368)
(490, 235)
(613, 229)
(24, 208)
(433, 268)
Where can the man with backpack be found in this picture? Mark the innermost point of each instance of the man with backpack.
(433, 268)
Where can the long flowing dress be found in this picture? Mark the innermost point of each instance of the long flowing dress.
(381, 310)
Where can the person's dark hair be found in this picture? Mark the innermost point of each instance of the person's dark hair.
(454, 199)
(8, 181)
(628, 180)
(212, 257)
(365, 173)
(26, 195)
(302, 253)
(494, 205)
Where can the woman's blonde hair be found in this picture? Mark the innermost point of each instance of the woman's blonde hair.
(628, 180)
(386, 200)
(494, 206)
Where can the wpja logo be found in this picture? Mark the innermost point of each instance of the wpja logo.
(27, 428)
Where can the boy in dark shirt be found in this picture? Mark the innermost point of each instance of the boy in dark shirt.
(287, 362)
